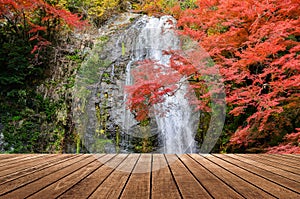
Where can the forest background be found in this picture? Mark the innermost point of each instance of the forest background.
(253, 43)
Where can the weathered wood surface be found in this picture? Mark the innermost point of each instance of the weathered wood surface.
(149, 176)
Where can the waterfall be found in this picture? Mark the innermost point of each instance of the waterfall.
(99, 107)
(128, 120)
(178, 124)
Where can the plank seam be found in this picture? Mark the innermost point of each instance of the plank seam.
(263, 168)
(151, 166)
(22, 161)
(39, 178)
(257, 174)
(4, 162)
(129, 177)
(194, 176)
(173, 176)
(240, 177)
(288, 158)
(91, 174)
(52, 163)
(271, 165)
(273, 159)
(216, 176)
(62, 176)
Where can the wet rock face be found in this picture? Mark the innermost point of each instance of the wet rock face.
(98, 103)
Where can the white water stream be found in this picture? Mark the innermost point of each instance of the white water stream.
(177, 126)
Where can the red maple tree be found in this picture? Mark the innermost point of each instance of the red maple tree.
(37, 20)
(255, 45)
(289, 146)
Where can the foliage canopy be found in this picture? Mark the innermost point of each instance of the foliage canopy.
(255, 45)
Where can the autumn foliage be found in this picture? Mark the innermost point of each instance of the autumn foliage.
(37, 20)
(290, 145)
(255, 45)
(152, 82)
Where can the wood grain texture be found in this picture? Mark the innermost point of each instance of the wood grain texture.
(149, 176)
(113, 186)
(33, 183)
(234, 181)
(6, 163)
(56, 189)
(18, 166)
(188, 185)
(138, 185)
(273, 177)
(286, 158)
(208, 180)
(273, 162)
(263, 183)
(272, 169)
(88, 185)
(162, 179)
(38, 167)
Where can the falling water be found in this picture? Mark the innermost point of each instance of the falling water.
(128, 120)
(178, 124)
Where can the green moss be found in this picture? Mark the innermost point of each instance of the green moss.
(76, 58)
(78, 142)
(33, 127)
(103, 38)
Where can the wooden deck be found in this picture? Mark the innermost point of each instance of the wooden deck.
(149, 176)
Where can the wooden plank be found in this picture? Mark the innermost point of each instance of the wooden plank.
(288, 157)
(271, 163)
(86, 186)
(275, 170)
(268, 186)
(19, 159)
(283, 158)
(4, 157)
(278, 160)
(295, 155)
(151, 176)
(9, 155)
(235, 182)
(162, 179)
(8, 169)
(43, 165)
(287, 183)
(59, 187)
(18, 187)
(138, 185)
(112, 186)
(208, 180)
(189, 187)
